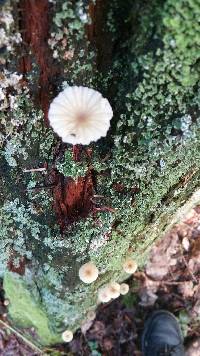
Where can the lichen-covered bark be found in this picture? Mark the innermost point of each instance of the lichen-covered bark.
(114, 198)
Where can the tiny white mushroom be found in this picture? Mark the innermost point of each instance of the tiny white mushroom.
(91, 315)
(88, 273)
(6, 302)
(124, 288)
(130, 266)
(103, 295)
(67, 336)
(114, 290)
(80, 115)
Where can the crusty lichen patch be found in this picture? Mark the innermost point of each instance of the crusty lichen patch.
(145, 169)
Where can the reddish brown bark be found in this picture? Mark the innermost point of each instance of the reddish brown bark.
(72, 199)
(97, 35)
(20, 269)
(34, 26)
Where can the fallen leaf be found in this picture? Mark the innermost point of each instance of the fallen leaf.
(186, 289)
(186, 244)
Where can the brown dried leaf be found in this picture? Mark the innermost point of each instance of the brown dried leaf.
(162, 257)
(148, 292)
(108, 343)
(10, 345)
(186, 289)
(98, 330)
(86, 325)
(194, 348)
(186, 243)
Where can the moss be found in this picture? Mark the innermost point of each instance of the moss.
(28, 310)
(146, 168)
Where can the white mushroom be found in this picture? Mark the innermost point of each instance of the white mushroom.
(80, 115)
(88, 273)
(6, 302)
(103, 295)
(114, 290)
(91, 315)
(130, 266)
(124, 288)
(67, 336)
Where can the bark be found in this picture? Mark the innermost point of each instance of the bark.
(62, 206)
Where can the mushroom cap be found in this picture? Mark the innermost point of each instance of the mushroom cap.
(124, 288)
(91, 315)
(114, 290)
(67, 336)
(130, 266)
(88, 273)
(80, 115)
(103, 295)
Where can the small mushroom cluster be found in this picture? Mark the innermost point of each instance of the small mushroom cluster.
(114, 289)
(88, 273)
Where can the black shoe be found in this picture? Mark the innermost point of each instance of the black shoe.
(162, 336)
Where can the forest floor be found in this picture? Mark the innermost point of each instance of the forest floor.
(170, 280)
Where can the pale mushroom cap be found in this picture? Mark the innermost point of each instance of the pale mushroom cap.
(67, 336)
(114, 290)
(130, 266)
(80, 115)
(124, 288)
(88, 273)
(103, 295)
(91, 315)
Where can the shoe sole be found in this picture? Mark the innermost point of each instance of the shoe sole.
(149, 321)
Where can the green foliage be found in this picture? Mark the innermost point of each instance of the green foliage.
(94, 348)
(129, 300)
(184, 320)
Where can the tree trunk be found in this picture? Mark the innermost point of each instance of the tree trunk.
(62, 206)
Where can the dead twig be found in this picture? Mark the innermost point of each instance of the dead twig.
(42, 169)
(190, 272)
(28, 342)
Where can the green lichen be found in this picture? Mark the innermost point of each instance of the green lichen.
(71, 168)
(70, 44)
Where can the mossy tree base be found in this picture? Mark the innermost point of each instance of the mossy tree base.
(122, 191)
